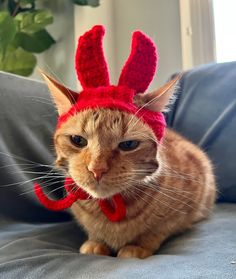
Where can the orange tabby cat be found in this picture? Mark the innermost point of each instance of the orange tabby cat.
(166, 187)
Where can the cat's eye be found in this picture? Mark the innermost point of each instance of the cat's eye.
(78, 141)
(128, 145)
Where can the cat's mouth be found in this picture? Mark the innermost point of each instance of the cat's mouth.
(105, 191)
(97, 190)
(100, 193)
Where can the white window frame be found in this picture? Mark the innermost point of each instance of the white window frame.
(197, 32)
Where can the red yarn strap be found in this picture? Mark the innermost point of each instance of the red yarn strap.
(115, 211)
(52, 204)
(74, 194)
(90, 63)
(141, 65)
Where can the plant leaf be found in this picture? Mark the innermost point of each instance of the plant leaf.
(7, 30)
(25, 2)
(18, 61)
(35, 42)
(92, 3)
(30, 22)
(43, 17)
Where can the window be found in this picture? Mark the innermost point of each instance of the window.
(225, 30)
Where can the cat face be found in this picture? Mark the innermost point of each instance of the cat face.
(106, 151)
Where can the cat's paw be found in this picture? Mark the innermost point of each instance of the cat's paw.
(131, 251)
(93, 247)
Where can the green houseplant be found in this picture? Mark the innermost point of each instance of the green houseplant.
(23, 33)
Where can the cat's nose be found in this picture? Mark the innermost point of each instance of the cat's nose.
(98, 173)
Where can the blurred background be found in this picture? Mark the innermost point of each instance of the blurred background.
(44, 33)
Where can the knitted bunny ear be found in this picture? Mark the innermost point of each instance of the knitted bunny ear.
(90, 62)
(141, 65)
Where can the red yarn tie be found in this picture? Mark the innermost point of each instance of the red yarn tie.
(115, 210)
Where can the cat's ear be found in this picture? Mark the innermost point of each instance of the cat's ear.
(159, 99)
(63, 97)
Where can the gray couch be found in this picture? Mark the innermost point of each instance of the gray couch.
(36, 243)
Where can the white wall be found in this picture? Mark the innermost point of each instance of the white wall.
(159, 19)
(58, 61)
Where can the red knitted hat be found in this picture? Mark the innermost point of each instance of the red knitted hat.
(135, 77)
(97, 92)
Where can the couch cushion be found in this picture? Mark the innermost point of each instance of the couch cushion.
(27, 121)
(51, 251)
(205, 113)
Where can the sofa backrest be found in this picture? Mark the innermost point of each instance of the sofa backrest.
(205, 113)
